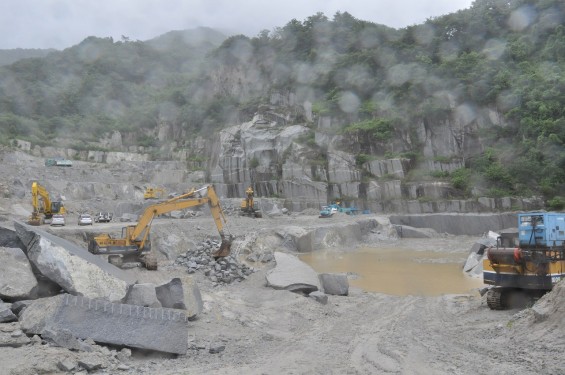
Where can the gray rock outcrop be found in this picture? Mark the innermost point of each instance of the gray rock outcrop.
(17, 280)
(405, 231)
(305, 240)
(458, 224)
(290, 273)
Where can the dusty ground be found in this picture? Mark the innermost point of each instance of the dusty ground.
(266, 331)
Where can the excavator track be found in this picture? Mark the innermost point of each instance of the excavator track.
(496, 299)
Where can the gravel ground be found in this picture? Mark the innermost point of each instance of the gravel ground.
(248, 328)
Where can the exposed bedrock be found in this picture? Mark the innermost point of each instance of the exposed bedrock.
(458, 224)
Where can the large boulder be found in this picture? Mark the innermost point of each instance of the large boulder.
(171, 294)
(290, 273)
(142, 295)
(16, 275)
(334, 283)
(72, 268)
(34, 318)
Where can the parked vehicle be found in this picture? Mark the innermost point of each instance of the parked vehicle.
(58, 219)
(85, 219)
(103, 217)
(58, 162)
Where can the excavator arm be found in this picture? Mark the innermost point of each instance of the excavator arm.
(186, 200)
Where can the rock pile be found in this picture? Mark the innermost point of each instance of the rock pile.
(222, 271)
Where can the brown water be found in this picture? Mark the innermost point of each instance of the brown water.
(398, 271)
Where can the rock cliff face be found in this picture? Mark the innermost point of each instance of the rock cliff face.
(312, 163)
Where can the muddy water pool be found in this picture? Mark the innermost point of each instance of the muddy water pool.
(406, 267)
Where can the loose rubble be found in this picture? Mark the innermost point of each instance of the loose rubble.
(222, 271)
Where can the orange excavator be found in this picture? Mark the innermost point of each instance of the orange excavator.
(135, 244)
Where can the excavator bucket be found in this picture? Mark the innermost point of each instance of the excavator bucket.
(225, 248)
(34, 219)
(34, 222)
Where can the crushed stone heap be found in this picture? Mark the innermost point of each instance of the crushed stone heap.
(222, 271)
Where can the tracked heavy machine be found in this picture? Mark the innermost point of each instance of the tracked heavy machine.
(134, 245)
(43, 205)
(522, 269)
(249, 206)
(154, 193)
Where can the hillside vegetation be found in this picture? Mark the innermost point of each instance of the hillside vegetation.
(377, 83)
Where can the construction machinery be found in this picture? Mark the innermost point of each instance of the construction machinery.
(524, 267)
(135, 243)
(331, 209)
(58, 162)
(248, 205)
(42, 204)
(154, 193)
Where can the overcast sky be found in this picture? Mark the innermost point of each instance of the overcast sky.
(63, 23)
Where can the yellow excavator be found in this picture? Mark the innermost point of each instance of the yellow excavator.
(153, 193)
(135, 243)
(42, 204)
(248, 205)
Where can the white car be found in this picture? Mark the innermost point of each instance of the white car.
(58, 219)
(84, 219)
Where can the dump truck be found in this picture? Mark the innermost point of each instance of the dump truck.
(134, 244)
(58, 162)
(524, 267)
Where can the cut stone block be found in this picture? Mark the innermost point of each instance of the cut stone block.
(164, 330)
(335, 284)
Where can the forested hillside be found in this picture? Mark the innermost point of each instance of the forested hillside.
(10, 56)
(378, 83)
